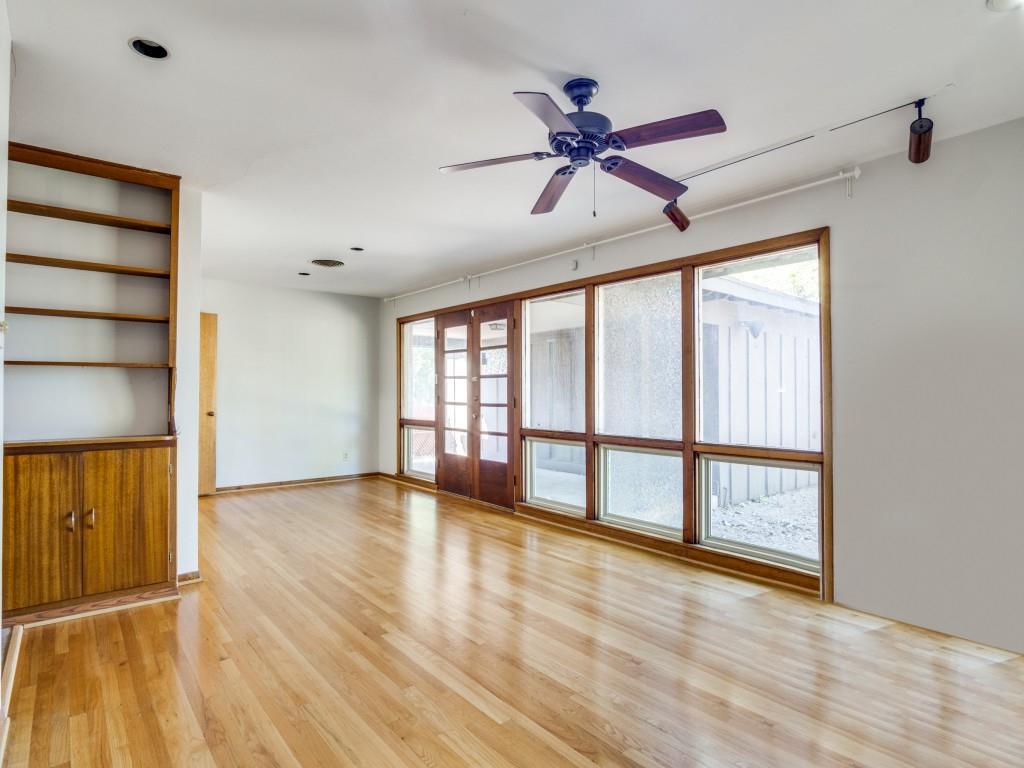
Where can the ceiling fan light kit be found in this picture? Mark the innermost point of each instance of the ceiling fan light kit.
(581, 137)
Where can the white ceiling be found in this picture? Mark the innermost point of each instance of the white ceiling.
(314, 125)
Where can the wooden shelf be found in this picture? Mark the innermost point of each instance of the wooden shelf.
(85, 364)
(87, 315)
(88, 266)
(88, 443)
(87, 217)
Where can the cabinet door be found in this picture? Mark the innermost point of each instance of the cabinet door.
(125, 511)
(42, 529)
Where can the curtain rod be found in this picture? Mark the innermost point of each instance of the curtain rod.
(847, 173)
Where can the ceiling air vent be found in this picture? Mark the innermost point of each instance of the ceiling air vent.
(328, 263)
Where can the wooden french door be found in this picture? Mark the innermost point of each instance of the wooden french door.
(474, 418)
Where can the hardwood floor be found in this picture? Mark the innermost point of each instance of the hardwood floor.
(370, 624)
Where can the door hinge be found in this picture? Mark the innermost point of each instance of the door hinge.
(170, 557)
(170, 470)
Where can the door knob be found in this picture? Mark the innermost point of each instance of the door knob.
(71, 521)
(210, 413)
(91, 515)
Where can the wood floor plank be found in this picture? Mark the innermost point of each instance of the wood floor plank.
(370, 624)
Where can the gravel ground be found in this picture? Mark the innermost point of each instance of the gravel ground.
(786, 521)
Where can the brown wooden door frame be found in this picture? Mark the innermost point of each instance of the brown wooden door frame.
(207, 403)
(489, 481)
(454, 472)
(492, 480)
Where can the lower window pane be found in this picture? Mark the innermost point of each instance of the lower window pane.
(494, 448)
(456, 443)
(770, 510)
(419, 452)
(641, 487)
(556, 475)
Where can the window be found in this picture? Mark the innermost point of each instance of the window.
(640, 358)
(760, 351)
(640, 487)
(554, 363)
(768, 510)
(418, 451)
(556, 475)
(456, 390)
(705, 385)
(418, 370)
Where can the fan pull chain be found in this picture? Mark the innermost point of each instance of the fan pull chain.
(595, 189)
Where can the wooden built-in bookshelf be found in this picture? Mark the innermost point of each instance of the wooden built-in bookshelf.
(88, 517)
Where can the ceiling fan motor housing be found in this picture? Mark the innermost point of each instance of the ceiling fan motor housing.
(594, 129)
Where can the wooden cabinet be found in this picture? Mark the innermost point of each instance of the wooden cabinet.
(42, 529)
(78, 524)
(125, 503)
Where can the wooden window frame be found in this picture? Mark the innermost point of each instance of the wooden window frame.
(404, 422)
(687, 546)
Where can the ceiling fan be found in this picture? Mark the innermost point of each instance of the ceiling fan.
(582, 136)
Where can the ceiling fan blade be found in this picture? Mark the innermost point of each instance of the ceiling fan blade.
(553, 190)
(643, 177)
(496, 161)
(544, 107)
(684, 127)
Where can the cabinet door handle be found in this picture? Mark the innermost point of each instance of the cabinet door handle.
(91, 515)
(71, 521)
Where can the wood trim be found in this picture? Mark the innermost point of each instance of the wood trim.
(288, 483)
(65, 161)
(425, 424)
(399, 392)
(87, 217)
(85, 364)
(689, 352)
(189, 577)
(551, 434)
(754, 452)
(640, 442)
(516, 348)
(784, 242)
(10, 668)
(692, 553)
(590, 396)
(88, 266)
(419, 482)
(69, 609)
(172, 286)
(89, 444)
(50, 312)
(827, 572)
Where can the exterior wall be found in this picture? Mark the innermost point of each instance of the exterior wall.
(928, 356)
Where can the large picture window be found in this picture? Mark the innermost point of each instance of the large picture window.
(554, 362)
(418, 370)
(640, 358)
(760, 351)
(681, 405)
(418, 409)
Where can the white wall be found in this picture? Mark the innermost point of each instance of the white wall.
(297, 389)
(928, 360)
(186, 395)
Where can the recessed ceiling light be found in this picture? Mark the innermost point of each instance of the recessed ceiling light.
(1003, 5)
(356, 248)
(328, 263)
(148, 48)
(304, 274)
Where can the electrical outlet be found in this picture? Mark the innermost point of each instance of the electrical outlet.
(344, 456)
